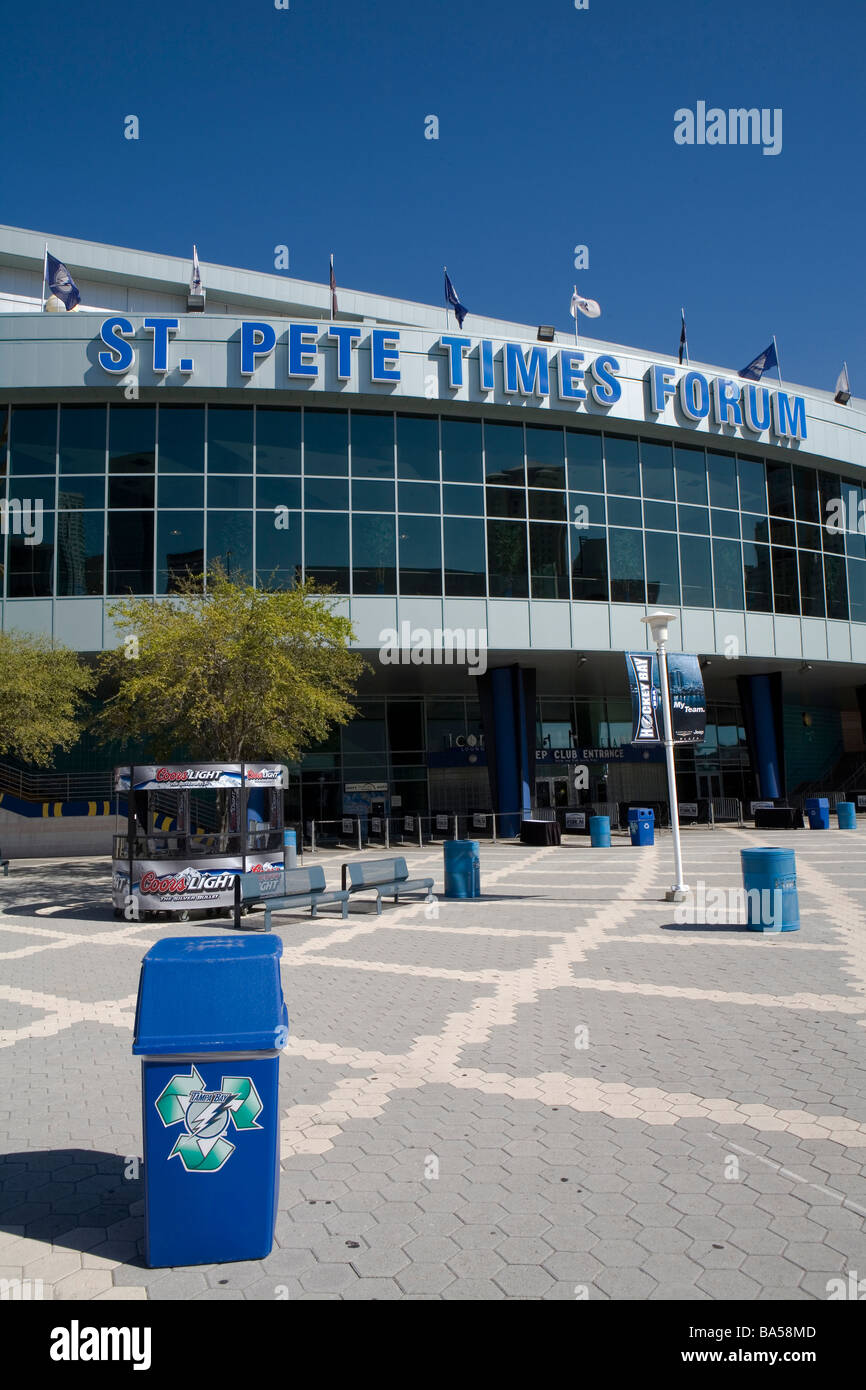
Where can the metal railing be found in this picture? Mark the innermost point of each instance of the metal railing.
(56, 786)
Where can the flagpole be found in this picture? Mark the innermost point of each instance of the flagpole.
(778, 363)
(574, 305)
(445, 273)
(683, 312)
(44, 275)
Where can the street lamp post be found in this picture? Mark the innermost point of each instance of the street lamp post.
(658, 624)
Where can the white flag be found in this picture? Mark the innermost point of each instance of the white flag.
(843, 389)
(589, 307)
(195, 282)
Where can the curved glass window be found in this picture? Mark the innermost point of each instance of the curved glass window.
(230, 543)
(130, 552)
(589, 564)
(181, 438)
(503, 453)
(278, 550)
(418, 497)
(506, 501)
(585, 466)
(278, 440)
(325, 494)
(80, 553)
(811, 584)
(756, 569)
(657, 467)
(326, 442)
(626, 566)
(461, 451)
(179, 549)
(507, 559)
(417, 447)
(690, 466)
(662, 568)
(753, 489)
(81, 492)
(82, 438)
(277, 492)
(696, 572)
(728, 574)
(420, 556)
(458, 499)
(326, 549)
(30, 567)
(33, 439)
(374, 554)
(368, 496)
(621, 466)
(545, 457)
(229, 492)
(131, 438)
(722, 470)
(464, 557)
(548, 551)
(547, 506)
(229, 439)
(372, 444)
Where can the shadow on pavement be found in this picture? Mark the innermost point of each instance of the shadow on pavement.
(77, 1199)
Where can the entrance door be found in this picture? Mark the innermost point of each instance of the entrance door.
(551, 791)
(709, 785)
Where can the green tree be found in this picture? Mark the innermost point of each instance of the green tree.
(43, 690)
(234, 673)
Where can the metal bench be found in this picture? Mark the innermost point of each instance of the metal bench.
(282, 888)
(380, 876)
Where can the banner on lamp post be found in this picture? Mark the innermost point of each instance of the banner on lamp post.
(688, 700)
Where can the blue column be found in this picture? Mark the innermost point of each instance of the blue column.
(766, 744)
(507, 696)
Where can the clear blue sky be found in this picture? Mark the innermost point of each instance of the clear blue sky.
(306, 127)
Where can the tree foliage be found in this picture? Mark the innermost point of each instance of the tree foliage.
(43, 690)
(234, 673)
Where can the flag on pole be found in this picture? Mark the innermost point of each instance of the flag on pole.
(589, 307)
(451, 298)
(684, 342)
(843, 386)
(333, 284)
(762, 363)
(60, 282)
(195, 278)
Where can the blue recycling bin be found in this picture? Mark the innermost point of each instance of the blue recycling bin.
(846, 813)
(818, 811)
(641, 825)
(290, 849)
(770, 881)
(209, 1026)
(462, 869)
(599, 832)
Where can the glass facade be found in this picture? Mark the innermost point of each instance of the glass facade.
(133, 497)
(430, 750)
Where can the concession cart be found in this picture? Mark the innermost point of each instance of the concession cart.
(191, 828)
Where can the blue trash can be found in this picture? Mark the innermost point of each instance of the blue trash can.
(641, 825)
(770, 881)
(599, 832)
(462, 869)
(846, 812)
(290, 849)
(818, 811)
(209, 1025)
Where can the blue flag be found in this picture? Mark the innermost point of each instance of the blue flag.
(762, 363)
(460, 311)
(60, 282)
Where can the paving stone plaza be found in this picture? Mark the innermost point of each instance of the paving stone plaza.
(558, 1091)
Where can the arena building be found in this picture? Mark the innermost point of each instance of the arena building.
(496, 507)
